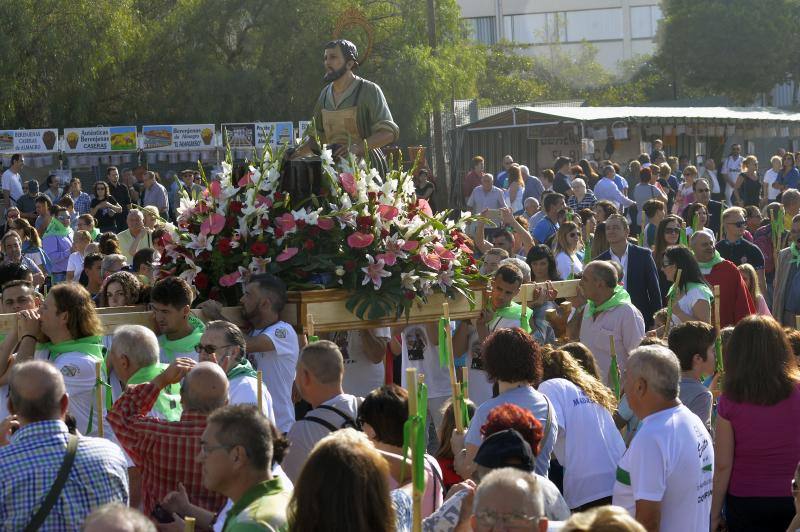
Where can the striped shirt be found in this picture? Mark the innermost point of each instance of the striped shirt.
(29, 466)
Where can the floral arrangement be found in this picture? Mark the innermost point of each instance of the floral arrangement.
(366, 234)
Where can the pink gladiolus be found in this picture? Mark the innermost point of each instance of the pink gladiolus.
(348, 183)
(431, 260)
(443, 252)
(213, 224)
(287, 254)
(387, 212)
(215, 189)
(325, 224)
(360, 240)
(230, 279)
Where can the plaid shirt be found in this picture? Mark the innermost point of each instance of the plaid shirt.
(82, 202)
(165, 451)
(29, 466)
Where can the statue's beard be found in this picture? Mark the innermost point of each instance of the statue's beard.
(333, 75)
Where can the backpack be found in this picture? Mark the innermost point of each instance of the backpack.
(347, 421)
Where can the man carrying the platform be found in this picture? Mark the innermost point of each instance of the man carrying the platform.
(351, 114)
(502, 313)
(170, 301)
(271, 342)
(17, 295)
(224, 343)
(70, 327)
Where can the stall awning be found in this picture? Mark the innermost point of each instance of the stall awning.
(529, 116)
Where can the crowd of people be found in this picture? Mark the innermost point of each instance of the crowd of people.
(627, 406)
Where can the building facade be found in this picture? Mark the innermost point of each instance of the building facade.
(620, 30)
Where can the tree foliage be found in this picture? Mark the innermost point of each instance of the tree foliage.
(87, 62)
(736, 48)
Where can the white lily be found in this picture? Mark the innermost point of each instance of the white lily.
(201, 242)
(326, 156)
(408, 280)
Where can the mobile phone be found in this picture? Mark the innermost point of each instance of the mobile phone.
(161, 515)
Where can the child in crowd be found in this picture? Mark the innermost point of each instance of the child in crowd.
(693, 344)
(75, 263)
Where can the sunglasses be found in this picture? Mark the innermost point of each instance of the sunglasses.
(209, 349)
(739, 224)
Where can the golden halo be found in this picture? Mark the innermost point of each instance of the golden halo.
(353, 18)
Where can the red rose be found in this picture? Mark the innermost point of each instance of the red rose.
(235, 207)
(259, 249)
(349, 265)
(201, 281)
(278, 196)
(278, 230)
(313, 231)
(364, 221)
(224, 246)
(410, 295)
(300, 223)
(264, 223)
(384, 233)
(308, 245)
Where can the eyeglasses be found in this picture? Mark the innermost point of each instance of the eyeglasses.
(739, 223)
(513, 521)
(209, 349)
(672, 231)
(665, 263)
(208, 449)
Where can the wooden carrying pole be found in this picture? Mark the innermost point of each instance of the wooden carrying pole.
(260, 390)
(523, 302)
(98, 390)
(716, 309)
(416, 498)
(188, 524)
(797, 322)
(454, 386)
(310, 326)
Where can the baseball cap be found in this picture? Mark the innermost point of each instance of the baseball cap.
(506, 448)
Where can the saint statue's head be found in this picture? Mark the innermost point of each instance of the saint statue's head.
(340, 57)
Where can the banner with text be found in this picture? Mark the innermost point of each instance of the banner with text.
(257, 134)
(98, 139)
(176, 137)
(29, 140)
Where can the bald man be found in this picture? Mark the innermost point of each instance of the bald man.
(167, 451)
(320, 370)
(31, 458)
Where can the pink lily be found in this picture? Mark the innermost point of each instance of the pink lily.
(374, 272)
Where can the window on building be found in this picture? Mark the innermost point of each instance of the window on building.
(594, 25)
(535, 28)
(564, 26)
(482, 29)
(644, 21)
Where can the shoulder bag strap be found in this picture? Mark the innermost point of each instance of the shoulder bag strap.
(58, 486)
(548, 423)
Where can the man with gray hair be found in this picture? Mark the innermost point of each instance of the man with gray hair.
(112, 263)
(136, 236)
(133, 357)
(118, 518)
(508, 498)
(609, 312)
(225, 344)
(607, 189)
(30, 459)
(665, 478)
(320, 370)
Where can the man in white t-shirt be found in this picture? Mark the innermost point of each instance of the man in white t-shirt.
(320, 369)
(771, 176)
(364, 352)
(272, 343)
(665, 478)
(420, 349)
(225, 344)
(12, 181)
(731, 168)
(68, 319)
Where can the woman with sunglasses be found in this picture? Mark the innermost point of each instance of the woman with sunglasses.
(12, 213)
(789, 176)
(668, 234)
(104, 208)
(57, 243)
(567, 242)
(685, 193)
(691, 296)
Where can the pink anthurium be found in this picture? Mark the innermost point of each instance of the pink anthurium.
(348, 183)
(230, 279)
(213, 224)
(360, 240)
(287, 254)
(387, 212)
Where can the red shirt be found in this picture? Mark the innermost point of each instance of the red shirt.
(165, 451)
(735, 301)
(471, 180)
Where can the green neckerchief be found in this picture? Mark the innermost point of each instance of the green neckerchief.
(168, 403)
(689, 286)
(243, 368)
(56, 228)
(619, 297)
(716, 259)
(95, 232)
(92, 346)
(514, 312)
(795, 255)
(262, 489)
(185, 344)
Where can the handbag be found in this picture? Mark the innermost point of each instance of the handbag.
(55, 490)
